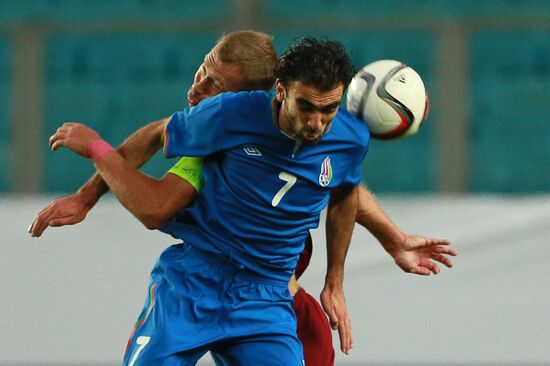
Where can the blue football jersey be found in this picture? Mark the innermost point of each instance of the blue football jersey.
(263, 190)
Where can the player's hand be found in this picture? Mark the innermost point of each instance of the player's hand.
(334, 304)
(419, 255)
(74, 136)
(62, 211)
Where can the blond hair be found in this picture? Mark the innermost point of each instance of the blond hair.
(254, 54)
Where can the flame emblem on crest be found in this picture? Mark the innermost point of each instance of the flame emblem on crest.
(326, 172)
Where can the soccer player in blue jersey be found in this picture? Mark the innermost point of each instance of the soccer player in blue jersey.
(407, 260)
(240, 60)
(271, 161)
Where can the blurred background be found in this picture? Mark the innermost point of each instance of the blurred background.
(477, 172)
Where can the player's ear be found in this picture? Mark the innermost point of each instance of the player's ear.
(279, 90)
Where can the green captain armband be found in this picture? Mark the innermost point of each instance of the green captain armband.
(190, 169)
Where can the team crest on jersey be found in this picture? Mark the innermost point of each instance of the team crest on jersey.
(326, 172)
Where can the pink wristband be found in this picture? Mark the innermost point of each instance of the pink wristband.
(98, 148)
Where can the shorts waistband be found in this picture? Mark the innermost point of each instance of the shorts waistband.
(233, 268)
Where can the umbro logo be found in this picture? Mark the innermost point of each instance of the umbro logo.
(253, 151)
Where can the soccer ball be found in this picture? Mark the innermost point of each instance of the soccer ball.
(390, 97)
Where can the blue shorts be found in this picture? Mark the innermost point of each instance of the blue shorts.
(199, 302)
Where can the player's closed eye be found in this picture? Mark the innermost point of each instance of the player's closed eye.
(215, 85)
(309, 108)
(306, 107)
(329, 110)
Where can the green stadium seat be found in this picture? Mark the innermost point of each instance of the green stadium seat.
(107, 10)
(510, 109)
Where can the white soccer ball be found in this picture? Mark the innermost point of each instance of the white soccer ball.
(390, 97)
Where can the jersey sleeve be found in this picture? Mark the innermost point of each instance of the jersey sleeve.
(189, 169)
(197, 131)
(357, 132)
(355, 175)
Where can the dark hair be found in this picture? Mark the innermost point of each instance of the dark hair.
(322, 64)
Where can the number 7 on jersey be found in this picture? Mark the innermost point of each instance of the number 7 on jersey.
(290, 181)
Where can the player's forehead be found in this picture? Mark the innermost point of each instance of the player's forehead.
(227, 76)
(319, 98)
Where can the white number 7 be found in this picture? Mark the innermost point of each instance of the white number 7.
(142, 342)
(290, 181)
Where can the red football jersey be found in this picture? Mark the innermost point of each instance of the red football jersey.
(313, 330)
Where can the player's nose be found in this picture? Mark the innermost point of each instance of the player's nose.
(315, 121)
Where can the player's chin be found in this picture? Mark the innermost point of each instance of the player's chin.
(311, 139)
(192, 98)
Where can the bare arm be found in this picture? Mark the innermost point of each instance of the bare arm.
(412, 253)
(136, 149)
(151, 200)
(341, 212)
(371, 216)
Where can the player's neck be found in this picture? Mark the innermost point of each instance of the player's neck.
(282, 120)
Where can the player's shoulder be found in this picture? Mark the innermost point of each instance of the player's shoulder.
(349, 120)
(247, 111)
(246, 105)
(250, 99)
(351, 127)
